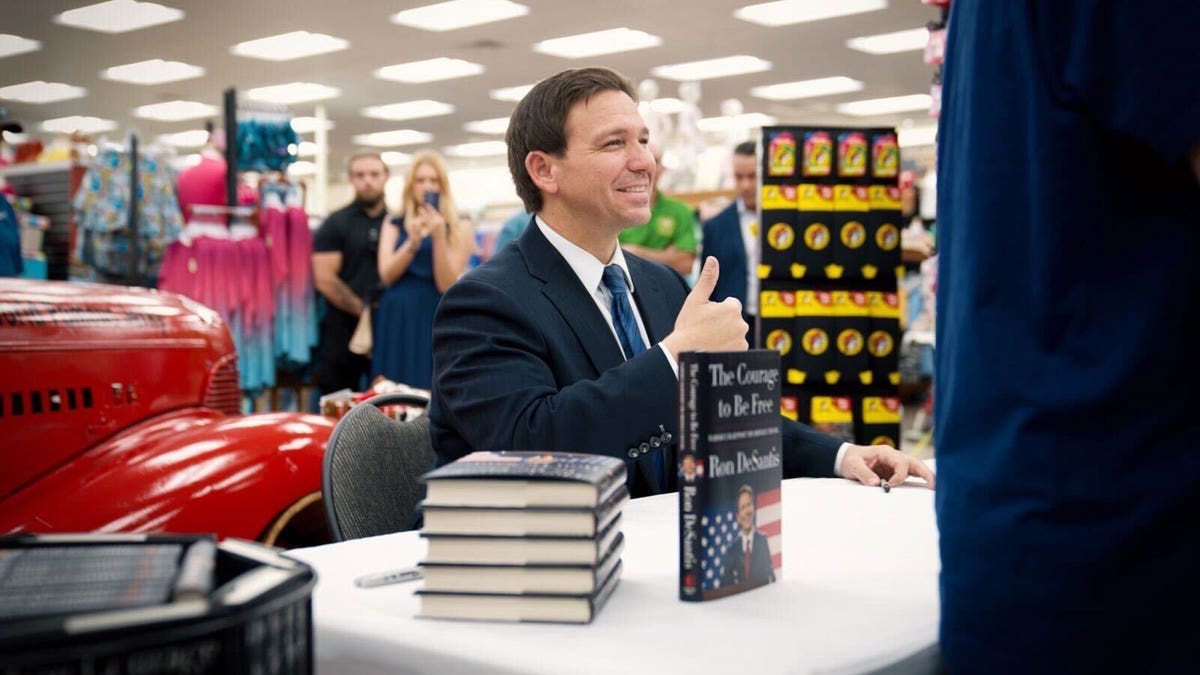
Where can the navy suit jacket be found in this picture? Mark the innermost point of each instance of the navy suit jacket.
(723, 240)
(760, 562)
(524, 360)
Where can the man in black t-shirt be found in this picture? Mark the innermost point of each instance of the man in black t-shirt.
(346, 273)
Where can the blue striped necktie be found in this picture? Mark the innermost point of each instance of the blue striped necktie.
(627, 333)
(622, 312)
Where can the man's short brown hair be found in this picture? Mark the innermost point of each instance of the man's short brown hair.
(540, 119)
(366, 155)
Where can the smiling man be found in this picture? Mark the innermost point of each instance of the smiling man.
(563, 342)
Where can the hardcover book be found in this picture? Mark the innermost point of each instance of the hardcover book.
(447, 548)
(730, 468)
(516, 479)
(522, 579)
(496, 607)
(524, 521)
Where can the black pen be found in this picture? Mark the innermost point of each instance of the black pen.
(389, 577)
(886, 487)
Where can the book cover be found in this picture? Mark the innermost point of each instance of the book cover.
(493, 607)
(452, 548)
(731, 466)
(524, 521)
(507, 479)
(522, 579)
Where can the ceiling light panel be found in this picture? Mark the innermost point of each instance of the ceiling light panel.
(496, 125)
(824, 86)
(510, 94)
(787, 12)
(891, 43)
(11, 45)
(41, 92)
(154, 71)
(409, 110)
(307, 125)
(429, 70)
(918, 136)
(745, 120)
(600, 42)
(174, 111)
(457, 14)
(83, 124)
(301, 168)
(119, 16)
(885, 106)
(293, 92)
(480, 149)
(392, 157)
(386, 139)
(185, 139)
(287, 46)
(667, 106)
(711, 68)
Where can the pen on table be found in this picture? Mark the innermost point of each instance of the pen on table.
(389, 577)
(886, 486)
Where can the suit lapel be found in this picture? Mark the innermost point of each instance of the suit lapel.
(657, 316)
(573, 302)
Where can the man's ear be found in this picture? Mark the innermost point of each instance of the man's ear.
(540, 168)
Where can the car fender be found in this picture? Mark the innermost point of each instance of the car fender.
(192, 470)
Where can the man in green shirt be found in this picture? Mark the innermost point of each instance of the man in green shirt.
(670, 235)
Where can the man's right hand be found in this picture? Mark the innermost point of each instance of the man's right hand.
(706, 326)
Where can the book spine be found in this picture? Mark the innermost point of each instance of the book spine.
(691, 413)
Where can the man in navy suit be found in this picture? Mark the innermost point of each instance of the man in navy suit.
(731, 236)
(562, 342)
(749, 541)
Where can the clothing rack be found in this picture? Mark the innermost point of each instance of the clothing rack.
(134, 228)
(231, 147)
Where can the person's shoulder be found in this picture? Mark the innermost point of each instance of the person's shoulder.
(340, 217)
(724, 215)
(504, 271)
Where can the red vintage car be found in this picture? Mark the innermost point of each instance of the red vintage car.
(119, 412)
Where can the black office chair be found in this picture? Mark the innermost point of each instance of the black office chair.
(372, 463)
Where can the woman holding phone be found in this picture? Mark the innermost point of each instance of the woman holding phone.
(421, 253)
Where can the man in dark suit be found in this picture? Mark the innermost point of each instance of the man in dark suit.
(749, 542)
(731, 235)
(563, 342)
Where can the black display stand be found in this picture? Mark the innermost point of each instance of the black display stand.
(829, 241)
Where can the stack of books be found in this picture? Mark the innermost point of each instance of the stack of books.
(522, 536)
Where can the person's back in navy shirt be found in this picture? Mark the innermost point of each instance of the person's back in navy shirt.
(1068, 359)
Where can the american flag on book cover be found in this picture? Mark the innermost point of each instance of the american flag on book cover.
(719, 530)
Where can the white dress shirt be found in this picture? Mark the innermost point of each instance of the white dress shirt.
(750, 240)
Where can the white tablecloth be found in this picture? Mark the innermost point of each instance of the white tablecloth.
(858, 591)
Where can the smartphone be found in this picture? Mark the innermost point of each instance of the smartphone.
(433, 199)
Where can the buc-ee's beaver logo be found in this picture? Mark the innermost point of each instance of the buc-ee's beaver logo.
(880, 343)
(816, 236)
(850, 342)
(779, 340)
(888, 237)
(854, 234)
(781, 236)
(815, 341)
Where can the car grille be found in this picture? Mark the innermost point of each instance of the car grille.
(223, 392)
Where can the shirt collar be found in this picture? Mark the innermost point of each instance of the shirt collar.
(585, 266)
(741, 206)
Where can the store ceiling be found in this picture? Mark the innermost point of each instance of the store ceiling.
(690, 31)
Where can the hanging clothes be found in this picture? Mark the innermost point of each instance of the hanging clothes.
(266, 144)
(102, 206)
(284, 227)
